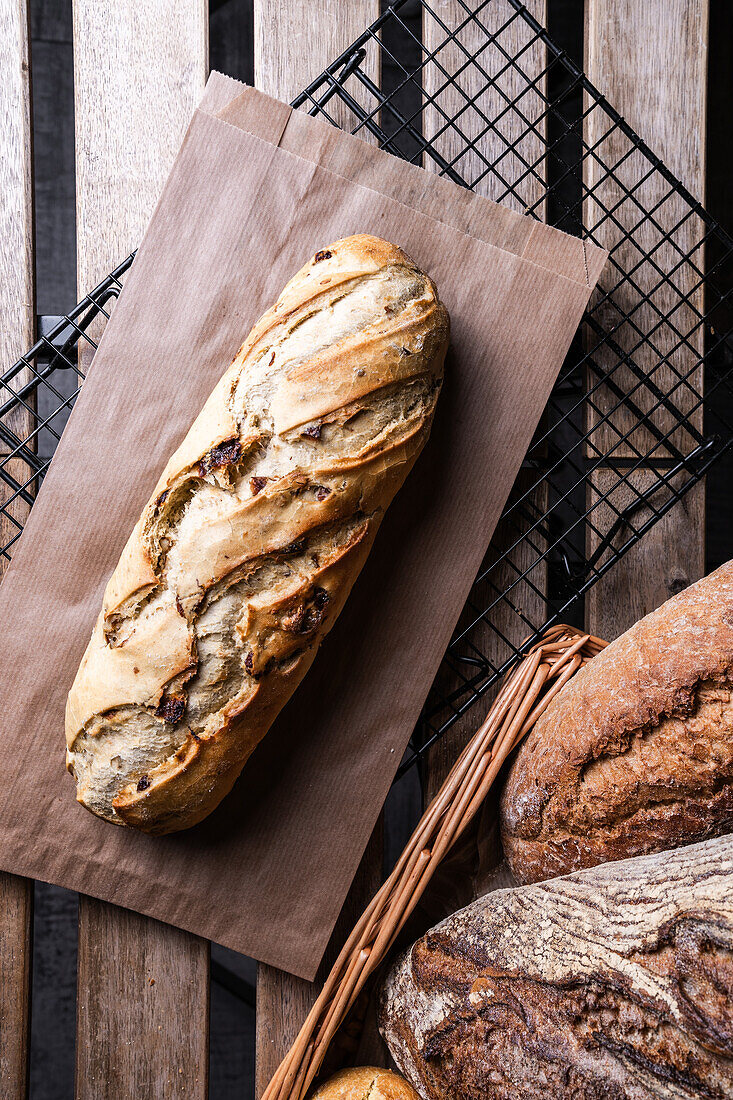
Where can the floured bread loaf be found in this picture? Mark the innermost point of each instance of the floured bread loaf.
(610, 984)
(249, 545)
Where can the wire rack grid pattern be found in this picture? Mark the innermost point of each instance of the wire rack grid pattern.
(485, 97)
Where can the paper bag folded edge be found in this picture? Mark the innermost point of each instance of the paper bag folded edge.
(270, 120)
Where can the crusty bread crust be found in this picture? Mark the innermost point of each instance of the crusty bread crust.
(365, 1083)
(613, 983)
(259, 525)
(635, 754)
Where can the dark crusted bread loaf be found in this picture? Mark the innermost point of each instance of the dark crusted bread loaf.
(609, 984)
(635, 754)
(249, 545)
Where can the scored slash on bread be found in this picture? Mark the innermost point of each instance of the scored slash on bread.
(249, 545)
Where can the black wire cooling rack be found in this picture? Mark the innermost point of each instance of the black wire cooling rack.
(491, 102)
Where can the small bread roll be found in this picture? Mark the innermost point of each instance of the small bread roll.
(365, 1082)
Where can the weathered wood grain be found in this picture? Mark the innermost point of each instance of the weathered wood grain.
(16, 909)
(142, 1007)
(609, 982)
(17, 283)
(650, 60)
(469, 85)
(139, 71)
(293, 43)
(490, 83)
(283, 1001)
(17, 309)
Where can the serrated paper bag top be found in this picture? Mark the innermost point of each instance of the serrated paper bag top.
(255, 190)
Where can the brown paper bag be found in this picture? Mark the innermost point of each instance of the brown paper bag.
(252, 194)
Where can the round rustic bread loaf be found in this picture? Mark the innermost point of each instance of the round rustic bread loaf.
(365, 1083)
(635, 754)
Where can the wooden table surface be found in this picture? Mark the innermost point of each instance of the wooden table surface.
(139, 68)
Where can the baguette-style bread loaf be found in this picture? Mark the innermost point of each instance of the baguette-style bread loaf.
(365, 1083)
(609, 984)
(249, 545)
(635, 754)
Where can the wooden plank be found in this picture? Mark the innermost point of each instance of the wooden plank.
(17, 308)
(16, 907)
(293, 44)
(464, 97)
(650, 61)
(283, 1002)
(142, 1007)
(452, 83)
(139, 70)
(17, 278)
(17, 282)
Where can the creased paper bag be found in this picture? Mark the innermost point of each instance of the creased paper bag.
(255, 190)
